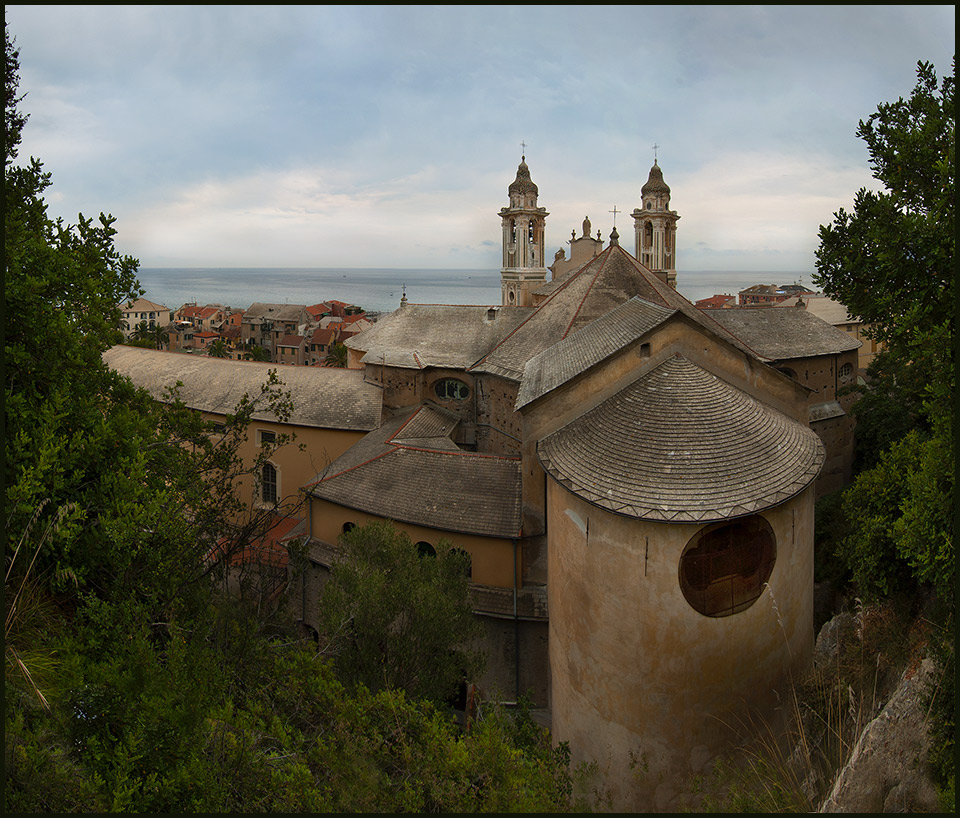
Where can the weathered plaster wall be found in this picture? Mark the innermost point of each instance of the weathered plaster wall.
(295, 466)
(492, 558)
(636, 671)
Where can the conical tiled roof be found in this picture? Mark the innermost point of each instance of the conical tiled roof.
(681, 445)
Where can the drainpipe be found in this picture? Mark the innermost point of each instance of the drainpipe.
(303, 568)
(516, 627)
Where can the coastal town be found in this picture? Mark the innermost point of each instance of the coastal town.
(290, 334)
(302, 335)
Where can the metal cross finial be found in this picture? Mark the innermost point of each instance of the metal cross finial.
(655, 146)
(523, 147)
(615, 211)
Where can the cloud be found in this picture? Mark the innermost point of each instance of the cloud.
(387, 135)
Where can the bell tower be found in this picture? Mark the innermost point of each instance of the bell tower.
(655, 228)
(523, 269)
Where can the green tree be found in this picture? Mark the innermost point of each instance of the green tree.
(130, 683)
(336, 356)
(142, 332)
(218, 349)
(160, 335)
(392, 618)
(256, 353)
(891, 261)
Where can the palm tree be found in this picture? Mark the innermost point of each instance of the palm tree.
(256, 354)
(142, 332)
(218, 349)
(159, 335)
(336, 356)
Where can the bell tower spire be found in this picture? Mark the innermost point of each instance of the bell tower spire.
(523, 222)
(655, 228)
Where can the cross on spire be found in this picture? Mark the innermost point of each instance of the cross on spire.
(655, 146)
(523, 147)
(615, 211)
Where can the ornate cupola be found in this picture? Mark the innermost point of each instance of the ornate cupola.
(523, 222)
(655, 228)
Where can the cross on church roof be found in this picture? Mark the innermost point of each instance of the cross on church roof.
(523, 147)
(655, 146)
(615, 211)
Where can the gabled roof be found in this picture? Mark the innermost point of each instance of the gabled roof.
(275, 312)
(681, 445)
(586, 347)
(833, 312)
(199, 312)
(599, 286)
(715, 301)
(141, 305)
(323, 398)
(441, 335)
(323, 335)
(779, 334)
(435, 485)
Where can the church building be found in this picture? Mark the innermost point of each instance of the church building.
(632, 478)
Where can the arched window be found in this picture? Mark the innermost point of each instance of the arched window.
(424, 549)
(724, 567)
(845, 371)
(268, 484)
(451, 389)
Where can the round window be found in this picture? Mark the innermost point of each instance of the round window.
(723, 568)
(451, 389)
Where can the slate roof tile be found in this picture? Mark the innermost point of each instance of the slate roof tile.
(324, 398)
(448, 489)
(680, 444)
(779, 334)
(588, 346)
(421, 335)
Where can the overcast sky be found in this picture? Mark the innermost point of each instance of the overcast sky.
(361, 136)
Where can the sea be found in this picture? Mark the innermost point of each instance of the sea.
(379, 290)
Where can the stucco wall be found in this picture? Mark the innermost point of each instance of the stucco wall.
(492, 558)
(515, 646)
(636, 671)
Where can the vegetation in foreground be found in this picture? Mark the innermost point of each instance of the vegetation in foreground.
(130, 683)
(888, 538)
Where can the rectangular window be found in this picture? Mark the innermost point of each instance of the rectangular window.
(267, 436)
